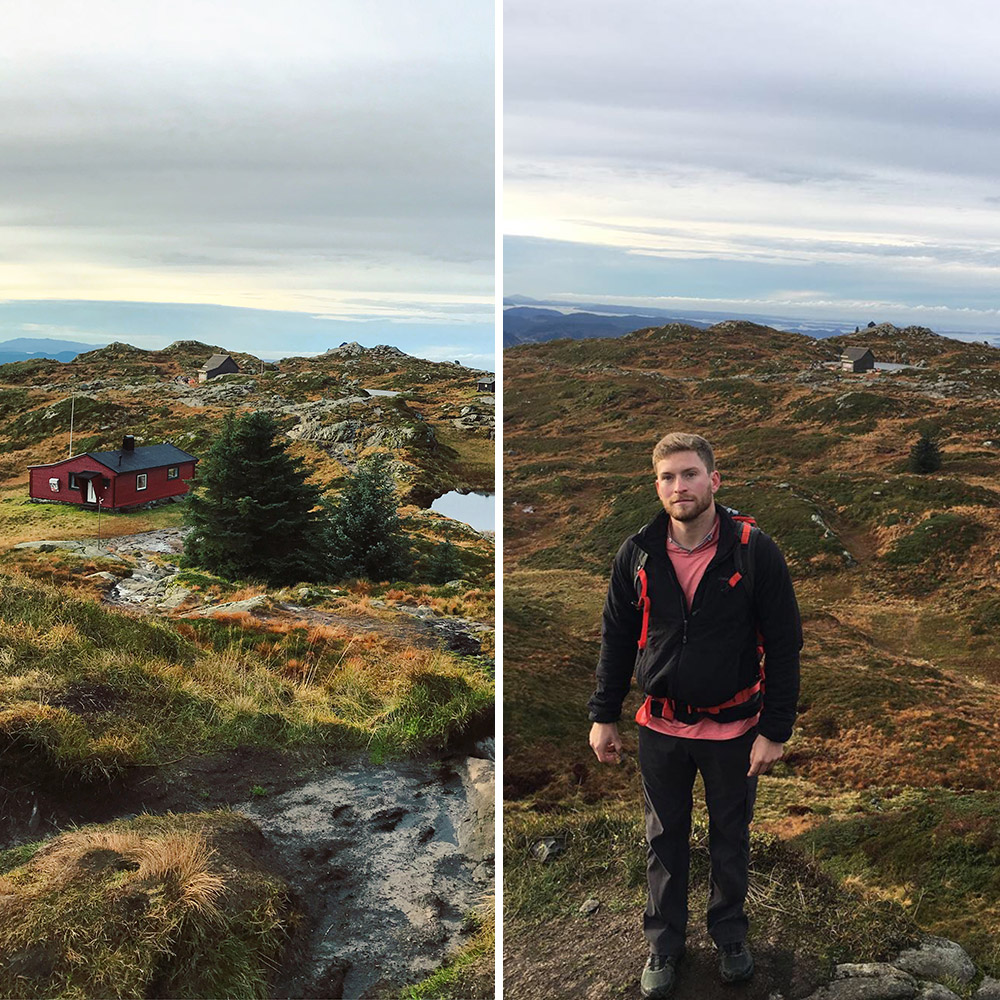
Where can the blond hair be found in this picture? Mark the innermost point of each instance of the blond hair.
(677, 441)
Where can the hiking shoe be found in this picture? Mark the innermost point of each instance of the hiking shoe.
(659, 977)
(735, 962)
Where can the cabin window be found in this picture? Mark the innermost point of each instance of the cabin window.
(173, 472)
(73, 484)
(140, 481)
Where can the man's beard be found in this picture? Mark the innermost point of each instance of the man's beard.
(689, 511)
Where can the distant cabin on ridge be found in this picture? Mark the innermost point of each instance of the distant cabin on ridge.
(217, 364)
(486, 385)
(857, 359)
(118, 479)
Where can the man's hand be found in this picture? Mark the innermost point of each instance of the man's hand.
(763, 754)
(605, 742)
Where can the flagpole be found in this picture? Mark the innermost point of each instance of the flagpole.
(72, 412)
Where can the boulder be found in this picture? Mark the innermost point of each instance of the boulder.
(868, 981)
(935, 991)
(989, 989)
(547, 849)
(937, 959)
(476, 831)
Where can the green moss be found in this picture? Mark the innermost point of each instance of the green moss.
(984, 617)
(851, 407)
(939, 536)
(941, 848)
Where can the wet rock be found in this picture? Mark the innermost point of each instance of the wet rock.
(476, 832)
(936, 959)
(935, 991)
(391, 901)
(83, 550)
(868, 981)
(250, 605)
(590, 906)
(177, 597)
(547, 849)
(388, 819)
(328, 984)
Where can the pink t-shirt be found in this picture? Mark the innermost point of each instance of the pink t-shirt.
(690, 566)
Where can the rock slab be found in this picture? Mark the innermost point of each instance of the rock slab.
(937, 959)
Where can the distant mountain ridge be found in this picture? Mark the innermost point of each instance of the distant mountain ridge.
(33, 348)
(610, 320)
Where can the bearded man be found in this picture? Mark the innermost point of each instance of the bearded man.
(692, 599)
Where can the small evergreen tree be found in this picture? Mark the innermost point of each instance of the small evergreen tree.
(253, 514)
(364, 535)
(925, 456)
(445, 564)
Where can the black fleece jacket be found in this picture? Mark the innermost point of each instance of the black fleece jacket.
(703, 655)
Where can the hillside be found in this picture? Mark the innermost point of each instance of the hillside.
(887, 796)
(430, 415)
(202, 777)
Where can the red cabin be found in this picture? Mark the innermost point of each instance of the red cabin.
(116, 479)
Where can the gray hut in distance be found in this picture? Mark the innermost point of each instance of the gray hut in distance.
(857, 359)
(217, 364)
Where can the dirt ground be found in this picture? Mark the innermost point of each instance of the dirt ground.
(601, 955)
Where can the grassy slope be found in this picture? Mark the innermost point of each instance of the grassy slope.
(35, 409)
(86, 693)
(895, 573)
(171, 906)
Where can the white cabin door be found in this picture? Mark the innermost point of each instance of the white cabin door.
(91, 494)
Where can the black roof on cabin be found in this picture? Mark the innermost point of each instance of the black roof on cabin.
(149, 457)
(856, 353)
(216, 360)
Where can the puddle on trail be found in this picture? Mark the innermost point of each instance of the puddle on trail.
(388, 861)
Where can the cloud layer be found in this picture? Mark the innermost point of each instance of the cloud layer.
(757, 148)
(333, 157)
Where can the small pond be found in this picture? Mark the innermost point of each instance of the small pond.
(475, 509)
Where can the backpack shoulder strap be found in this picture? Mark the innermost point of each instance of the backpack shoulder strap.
(747, 535)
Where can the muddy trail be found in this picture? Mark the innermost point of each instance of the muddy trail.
(388, 862)
(384, 862)
(602, 955)
(152, 589)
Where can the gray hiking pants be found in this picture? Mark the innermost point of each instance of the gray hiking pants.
(668, 765)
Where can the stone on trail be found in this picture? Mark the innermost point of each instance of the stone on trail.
(989, 989)
(590, 906)
(935, 991)
(937, 958)
(546, 849)
(868, 981)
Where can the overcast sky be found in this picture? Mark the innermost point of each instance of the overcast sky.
(327, 158)
(816, 159)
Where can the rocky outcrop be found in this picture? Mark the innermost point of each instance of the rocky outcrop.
(916, 974)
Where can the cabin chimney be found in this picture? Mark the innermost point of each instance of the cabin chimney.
(128, 444)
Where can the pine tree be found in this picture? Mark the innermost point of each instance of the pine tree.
(445, 564)
(253, 513)
(925, 456)
(365, 537)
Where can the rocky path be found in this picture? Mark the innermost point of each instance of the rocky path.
(152, 588)
(388, 862)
